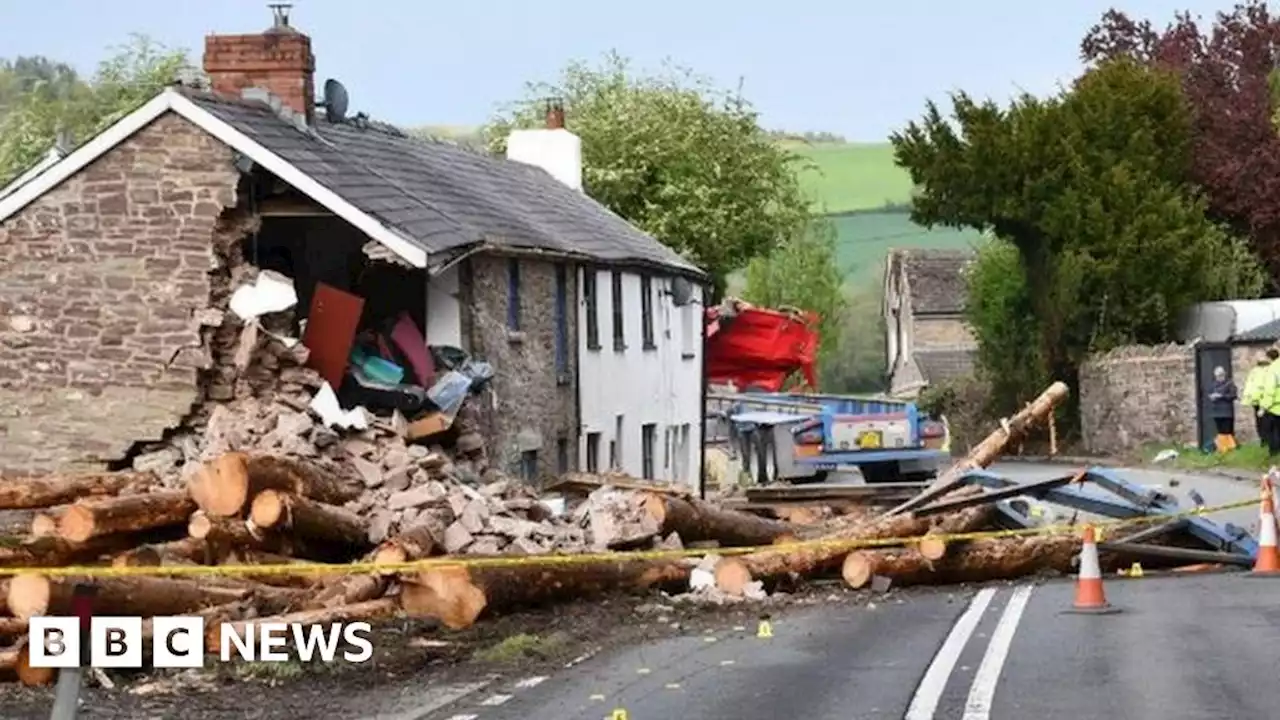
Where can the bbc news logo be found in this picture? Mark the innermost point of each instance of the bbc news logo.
(178, 642)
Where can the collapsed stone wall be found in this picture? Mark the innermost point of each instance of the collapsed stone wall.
(106, 284)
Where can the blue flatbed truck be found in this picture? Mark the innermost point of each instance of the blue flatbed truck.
(797, 438)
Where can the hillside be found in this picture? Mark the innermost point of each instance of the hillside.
(864, 239)
(848, 177)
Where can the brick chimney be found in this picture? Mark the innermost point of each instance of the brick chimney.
(278, 60)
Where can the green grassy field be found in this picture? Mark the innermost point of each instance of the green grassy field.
(863, 240)
(845, 177)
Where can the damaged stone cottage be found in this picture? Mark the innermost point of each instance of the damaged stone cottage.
(403, 266)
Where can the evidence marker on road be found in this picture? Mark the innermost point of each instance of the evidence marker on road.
(1090, 598)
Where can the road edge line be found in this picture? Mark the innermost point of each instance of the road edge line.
(983, 690)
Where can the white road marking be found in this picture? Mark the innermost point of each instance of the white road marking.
(495, 700)
(929, 691)
(437, 698)
(529, 682)
(463, 717)
(983, 690)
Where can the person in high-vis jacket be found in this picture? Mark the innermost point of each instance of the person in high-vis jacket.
(1269, 401)
(1252, 396)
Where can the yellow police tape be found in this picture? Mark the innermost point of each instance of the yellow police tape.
(301, 568)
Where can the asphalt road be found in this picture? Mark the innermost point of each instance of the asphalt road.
(1180, 648)
(1202, 646)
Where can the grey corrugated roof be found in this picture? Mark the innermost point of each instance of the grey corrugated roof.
(444, 197)
(936, 279)
(1269, 332)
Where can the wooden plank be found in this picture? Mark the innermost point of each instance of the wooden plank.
(886, 492)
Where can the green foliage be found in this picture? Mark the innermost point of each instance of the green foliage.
(1089, 190)
(847, 177)
(857, 362)
(27, 75)
(802, 273)
(682, 160)
(130, 77)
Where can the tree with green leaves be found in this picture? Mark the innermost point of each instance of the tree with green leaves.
(684, 161)
(802, 272)
(131, 76)
(1089, 192)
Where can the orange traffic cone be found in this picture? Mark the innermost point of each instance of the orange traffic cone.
(1090, 597)
(1268, 560)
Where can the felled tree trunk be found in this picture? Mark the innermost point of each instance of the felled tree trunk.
(370, 610)
(31, 595)
(299, 579)
(125, 514)
(836, 545)
(40, 492)
(993, 446)
(977, 561)
(413, 544)
(227, 484)
(457, 595)
(53, 551)
(44, 524)
(311, 519)
(32, 676)
(12, 627)
(695, 520)
(186, 550)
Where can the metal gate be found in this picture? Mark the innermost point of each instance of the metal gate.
(1208, 357)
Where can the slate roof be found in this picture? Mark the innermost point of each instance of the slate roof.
(443, 197)
(1265, 333)
(939, 365)
(935, 279)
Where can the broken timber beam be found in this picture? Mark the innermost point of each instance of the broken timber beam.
(1031, 488)
(1177, 553)
(991, 448)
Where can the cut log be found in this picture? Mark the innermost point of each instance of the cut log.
(300, 579)
(183, 551)
(932, 547)
(808, 559)
(992, 447)
(40, 492)
(45, 524)
(12, 627)
(227, 484)
(413, 544)
(977, 561)
(373, 609)
(457, 595)
(32, 676)
(128, 513)
(696, 520)
(31, 595)
(311, 519)
(9, 659)
(732, 576)
(53, 551)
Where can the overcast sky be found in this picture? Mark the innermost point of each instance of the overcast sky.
(854, 67)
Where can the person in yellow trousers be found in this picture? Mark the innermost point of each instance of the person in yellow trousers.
(1222, 407)
(1252, 396)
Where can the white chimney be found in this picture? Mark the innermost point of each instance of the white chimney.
(553, 149)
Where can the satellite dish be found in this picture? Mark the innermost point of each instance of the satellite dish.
(335, 101)
(681, 291)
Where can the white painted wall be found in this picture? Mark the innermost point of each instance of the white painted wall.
(444, 311)
(661, 386)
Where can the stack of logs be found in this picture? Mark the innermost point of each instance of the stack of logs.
(249, 509)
